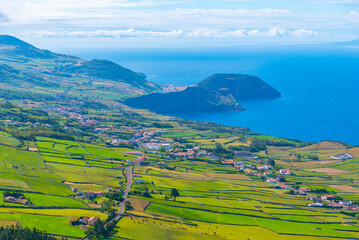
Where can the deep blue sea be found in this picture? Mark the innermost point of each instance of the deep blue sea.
(319, 84)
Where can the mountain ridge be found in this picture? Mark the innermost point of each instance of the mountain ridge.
(61, 67)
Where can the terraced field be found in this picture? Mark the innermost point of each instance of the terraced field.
(45, 179)
(208, 205)
(216, 201)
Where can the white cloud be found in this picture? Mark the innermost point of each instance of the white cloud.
(254, 33)
(276, 32)
(300, 33)
(93, 13)
(95, 18)
(353, 16)
(198, 33)
(333, 1)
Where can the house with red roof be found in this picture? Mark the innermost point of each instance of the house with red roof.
(10, 199)
(286, 171)
(92, 220)
(271, 180)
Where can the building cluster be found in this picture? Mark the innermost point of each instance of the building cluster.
(245, 154)
(86, 195)
(343, 156)
(168, 88)
(37, 124)
(263, 171)
(329, 201)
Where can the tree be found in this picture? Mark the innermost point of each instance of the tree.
(107, 205)
(146, 194)
(291, 192)
(313, 157)
(258, 145)
(128, 205)
(174, 193)
(98, 231)
(271, 162)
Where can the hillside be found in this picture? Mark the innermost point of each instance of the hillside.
(242, 87)
(15, 46)
(27, 68)
(192, 99)
(104, 69)
(61, 166)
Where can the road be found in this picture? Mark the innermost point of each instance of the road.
(121, 209)
(125, 194)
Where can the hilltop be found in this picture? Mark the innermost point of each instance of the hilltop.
(242, 87)
(192, 99)
(219, 92)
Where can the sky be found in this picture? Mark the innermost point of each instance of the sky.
(170, 22)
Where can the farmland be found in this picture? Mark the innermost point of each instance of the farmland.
(219, 173)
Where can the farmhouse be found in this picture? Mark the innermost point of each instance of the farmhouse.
(138, 181)
(271, 180)
(140, 160)
(314, 198)
(304, 189)
(344, 156)
(227, 162)
(10, 199)
(181, 154)
(336, 205)
(202, 152)
(92, 220)
(167, 146)
(242, 153)
(316, 204)
(327, 197)
(286, 171)
(346, 203)
(134, 153)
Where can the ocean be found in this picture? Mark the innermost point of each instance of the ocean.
(319, 84)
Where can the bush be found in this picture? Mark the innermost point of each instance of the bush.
(146, 194)
(291, 192)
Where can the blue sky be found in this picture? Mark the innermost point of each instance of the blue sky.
(237, 22)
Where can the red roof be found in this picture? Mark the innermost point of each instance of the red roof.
(181, 154)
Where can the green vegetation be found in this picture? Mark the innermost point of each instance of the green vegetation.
(12, 233)
(65, 149)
